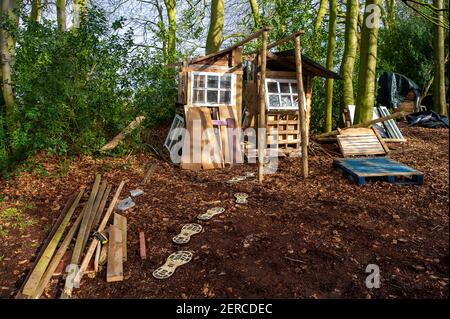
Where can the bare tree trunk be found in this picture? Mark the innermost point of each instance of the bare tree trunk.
(439, 101)
(7, 51)
(214, 39)
(79, 10)
(171, 34)
(320, 15)
(255, 13)
(61, 15)
(35, 14)
(348, 59)
(368, 62)
(330, 64)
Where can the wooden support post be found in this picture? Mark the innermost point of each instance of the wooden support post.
(262, 137)
(301, 105)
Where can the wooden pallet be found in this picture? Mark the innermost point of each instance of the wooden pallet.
(287, 126)
(361, 141)
(359, 169)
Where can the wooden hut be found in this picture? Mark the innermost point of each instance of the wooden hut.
(210, 90)
(281, 97)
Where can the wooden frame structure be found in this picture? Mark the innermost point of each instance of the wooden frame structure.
(289, 64)
(286, 66)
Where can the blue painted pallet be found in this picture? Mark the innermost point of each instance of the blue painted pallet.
(362, 168)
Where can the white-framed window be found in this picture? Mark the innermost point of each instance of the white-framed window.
(281, 94)
(211, 89)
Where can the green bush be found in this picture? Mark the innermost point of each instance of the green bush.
(77, 89)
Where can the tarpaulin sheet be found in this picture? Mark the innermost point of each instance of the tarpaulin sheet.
(393, 89)
(428, 119)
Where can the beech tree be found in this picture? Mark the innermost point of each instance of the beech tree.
(61, 15)
(214, 38)
(368, 62)
(350, 47)
(330, 64)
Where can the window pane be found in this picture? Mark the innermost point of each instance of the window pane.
(286, 101)
(272, 87)
(213, 81)
(295, 98)
(212, 96)
(199, 81)
(294, 87)
(225, 97)
(199, 96)
(284, 88)
(274, 101)
(225, 81)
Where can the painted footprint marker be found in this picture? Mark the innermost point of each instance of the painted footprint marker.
(236, 179)
(241, 198)
(174, 261)
(187, 231)
(210, 213)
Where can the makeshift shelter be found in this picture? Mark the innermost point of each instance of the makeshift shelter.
(210, 91)
(281, 95)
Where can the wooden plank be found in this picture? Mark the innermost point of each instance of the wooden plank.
(214, 160)
(121, 223)
(93, 214)
(48, 239)
(35, 277)
(366, 124)
(240, 43)
(281, 75)
(238, 100)
(360, 145)
(192, 159)
(231, 155)
(87, 258)
(57, 258)
(149, 172)
(102, 206)
(142, 249)
(356, 131)
(79, 244)
(114, 269)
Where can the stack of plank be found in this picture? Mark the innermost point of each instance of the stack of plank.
(212, 141)
(82, 227)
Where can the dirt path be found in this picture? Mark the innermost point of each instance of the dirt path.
(294, 239)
